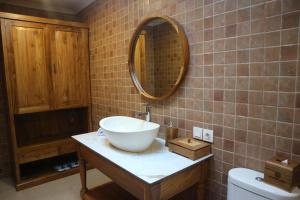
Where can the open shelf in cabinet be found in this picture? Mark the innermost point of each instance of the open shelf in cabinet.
(44, 140)
(45, 127)
(37, 172)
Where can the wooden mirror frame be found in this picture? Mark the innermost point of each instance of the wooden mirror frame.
(185, 54)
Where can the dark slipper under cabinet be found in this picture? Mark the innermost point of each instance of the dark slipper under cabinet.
(33, 171)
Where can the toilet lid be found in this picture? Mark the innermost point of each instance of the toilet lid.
(246, 179)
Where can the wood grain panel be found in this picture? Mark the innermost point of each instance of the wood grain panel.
(85, 69)
(46, 150)
(183, 180)
(28, 45)
(123, 178)
(43, 127)
(10, 102)
(68, 72)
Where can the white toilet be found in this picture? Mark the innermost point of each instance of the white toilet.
(246, 184)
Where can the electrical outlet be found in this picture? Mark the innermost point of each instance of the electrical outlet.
(197, 133)
(208, 135)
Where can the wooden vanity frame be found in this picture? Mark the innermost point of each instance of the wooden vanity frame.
(165, 188)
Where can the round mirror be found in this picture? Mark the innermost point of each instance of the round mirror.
(158, 57)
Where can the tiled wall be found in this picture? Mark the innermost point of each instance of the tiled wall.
(243, 79)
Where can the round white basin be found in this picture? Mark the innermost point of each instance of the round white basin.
(128, 133)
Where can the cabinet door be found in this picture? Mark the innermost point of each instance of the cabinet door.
(28, 62)
(69, 50)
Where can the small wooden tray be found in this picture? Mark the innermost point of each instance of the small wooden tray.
(190, 148)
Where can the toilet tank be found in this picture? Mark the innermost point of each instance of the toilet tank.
(246, 184)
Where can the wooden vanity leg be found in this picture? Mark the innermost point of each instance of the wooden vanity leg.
(82, 169)
(202, 181)
(200, 191)
(152, 192)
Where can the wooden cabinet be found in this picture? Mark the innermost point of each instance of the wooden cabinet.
(28, 61)
(69, 47)
(46, 65)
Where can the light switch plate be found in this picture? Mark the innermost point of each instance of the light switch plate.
(197, 133)
(208, 135)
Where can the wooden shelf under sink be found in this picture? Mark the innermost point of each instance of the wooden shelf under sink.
(108, 191)
(111, 191)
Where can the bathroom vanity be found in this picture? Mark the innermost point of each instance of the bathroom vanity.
(153, 174)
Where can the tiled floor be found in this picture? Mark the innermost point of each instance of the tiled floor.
(63, 189)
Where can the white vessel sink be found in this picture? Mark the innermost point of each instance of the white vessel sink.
(129, 134)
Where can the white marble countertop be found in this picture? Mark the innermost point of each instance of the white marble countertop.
(150, 166)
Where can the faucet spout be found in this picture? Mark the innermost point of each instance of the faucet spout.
(147, 114)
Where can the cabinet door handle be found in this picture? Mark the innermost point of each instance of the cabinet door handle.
(50, 68)
(54, 68)
(65, 98)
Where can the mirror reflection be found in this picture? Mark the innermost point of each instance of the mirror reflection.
(158, 57)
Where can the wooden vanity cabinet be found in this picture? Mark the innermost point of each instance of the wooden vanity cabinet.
(46, 67)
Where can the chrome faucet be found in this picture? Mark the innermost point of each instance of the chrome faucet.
(147, 114)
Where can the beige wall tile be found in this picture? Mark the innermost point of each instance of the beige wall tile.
(243, 78)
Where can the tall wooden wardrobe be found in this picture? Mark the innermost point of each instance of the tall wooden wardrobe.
(46, 68)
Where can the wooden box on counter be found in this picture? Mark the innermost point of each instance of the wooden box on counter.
(284, 176)
(189, 147)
